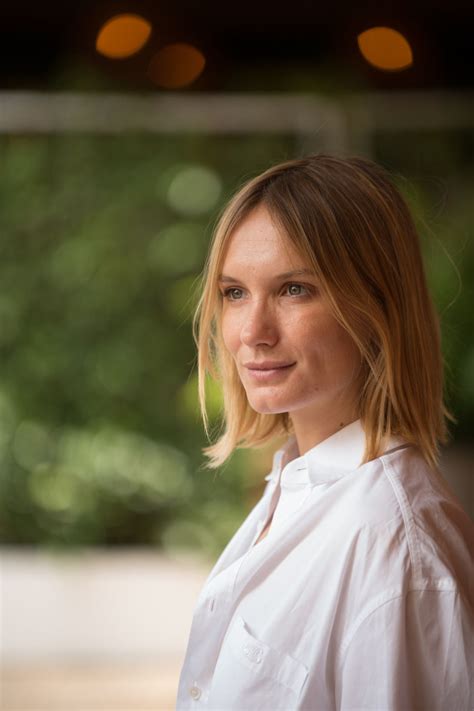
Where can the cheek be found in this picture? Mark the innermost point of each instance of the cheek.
(344, 352)
(331, 343)
(230, 335)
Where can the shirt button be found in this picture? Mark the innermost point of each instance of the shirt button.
(195, 692)
(253, 653)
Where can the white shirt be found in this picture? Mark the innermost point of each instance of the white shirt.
(361, 596)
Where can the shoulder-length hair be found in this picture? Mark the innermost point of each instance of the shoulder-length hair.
(352, 226)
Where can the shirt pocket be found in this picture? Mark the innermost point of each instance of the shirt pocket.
(250, 674)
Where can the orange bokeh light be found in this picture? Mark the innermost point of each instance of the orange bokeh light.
(122, 36)
(385, 48)
(176, 65)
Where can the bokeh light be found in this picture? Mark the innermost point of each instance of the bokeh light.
(122, 36)
(32, 445)
(176, 248)
(176, 65)
(54, 489)
(194, 190)
(385, 48)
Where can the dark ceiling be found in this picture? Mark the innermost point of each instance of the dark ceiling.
(253, 45)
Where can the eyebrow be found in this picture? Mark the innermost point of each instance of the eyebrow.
(285, 275)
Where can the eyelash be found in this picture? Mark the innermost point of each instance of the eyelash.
(226, 292)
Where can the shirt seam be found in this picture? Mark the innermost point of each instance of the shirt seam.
(408, 519)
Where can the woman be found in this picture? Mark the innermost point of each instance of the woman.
(350, 584)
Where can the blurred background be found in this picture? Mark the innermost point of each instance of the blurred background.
(124, 128)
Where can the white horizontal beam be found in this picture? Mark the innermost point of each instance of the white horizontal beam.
(203, 112)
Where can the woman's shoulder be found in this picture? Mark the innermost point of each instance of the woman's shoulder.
(426, 519)
(424, 495)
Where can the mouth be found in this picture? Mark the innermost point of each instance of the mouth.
(270, 373)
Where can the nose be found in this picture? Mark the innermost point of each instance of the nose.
(259, 326)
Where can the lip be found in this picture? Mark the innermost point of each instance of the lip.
(267, 365)
(266, 374)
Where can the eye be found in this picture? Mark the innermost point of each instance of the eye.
(226, 293)
(298, 286)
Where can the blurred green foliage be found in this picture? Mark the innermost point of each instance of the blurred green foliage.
(102, 241)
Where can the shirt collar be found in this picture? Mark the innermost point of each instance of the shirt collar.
(331, 459)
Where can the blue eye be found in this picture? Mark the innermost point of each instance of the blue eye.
(226, 293)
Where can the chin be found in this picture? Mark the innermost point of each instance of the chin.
(267, 410)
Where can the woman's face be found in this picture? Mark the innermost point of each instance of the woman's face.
(266, 317)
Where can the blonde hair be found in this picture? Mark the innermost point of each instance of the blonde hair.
(353, 227)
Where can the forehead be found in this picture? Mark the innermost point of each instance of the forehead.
(257, 242)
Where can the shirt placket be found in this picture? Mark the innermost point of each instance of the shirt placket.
(211, 618)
